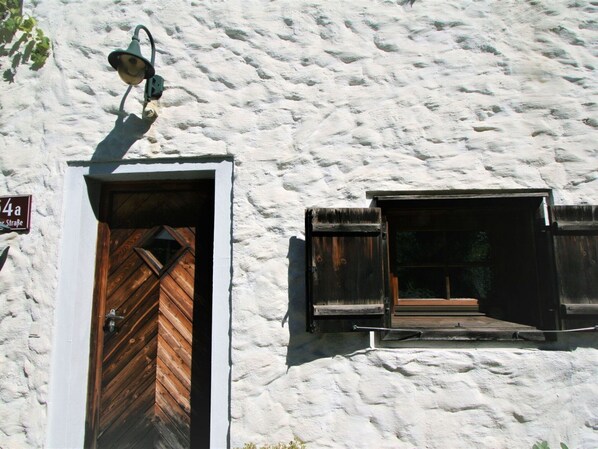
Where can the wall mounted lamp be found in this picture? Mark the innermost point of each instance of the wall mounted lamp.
(133, 67)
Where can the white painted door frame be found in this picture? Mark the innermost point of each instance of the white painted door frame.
(73, 307)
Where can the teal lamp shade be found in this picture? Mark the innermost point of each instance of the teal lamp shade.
(131, 65)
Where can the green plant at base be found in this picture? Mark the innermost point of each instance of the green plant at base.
(295, 444)
(20, 38)
(544, 445)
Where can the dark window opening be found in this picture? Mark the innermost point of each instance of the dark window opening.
(486, 265)
(162, 249)
(445, 264)
(464, 258)
(163, 246)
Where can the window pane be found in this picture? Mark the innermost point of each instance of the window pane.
(473, 282)
(467, 246)
(419, 247)
(163, 247)
(421, 283)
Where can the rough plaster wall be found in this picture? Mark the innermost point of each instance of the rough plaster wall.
(318, 102)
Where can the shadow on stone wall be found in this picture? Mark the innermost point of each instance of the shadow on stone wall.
(3, 256)
(572, 341)
(127, 130)
(303, 346)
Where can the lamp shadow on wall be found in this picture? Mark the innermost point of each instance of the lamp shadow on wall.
(127, 130)
(3, 256)
(305, 347)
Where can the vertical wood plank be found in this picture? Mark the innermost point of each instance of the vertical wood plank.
(97, 338)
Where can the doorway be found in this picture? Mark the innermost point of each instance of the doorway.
(151, 336)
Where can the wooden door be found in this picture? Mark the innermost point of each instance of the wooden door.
(141, 372)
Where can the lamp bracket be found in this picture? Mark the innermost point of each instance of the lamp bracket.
(154, 87)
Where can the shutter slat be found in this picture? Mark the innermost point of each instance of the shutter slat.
(576, 226)
(348, 309)
(579, 309)
(346, 227)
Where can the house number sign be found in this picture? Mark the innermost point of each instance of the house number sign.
(15, 212)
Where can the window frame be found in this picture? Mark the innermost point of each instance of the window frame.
(472, 328)
(438, 262)
(553, 237)
(444, 325)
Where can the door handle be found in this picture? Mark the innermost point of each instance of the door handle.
(110, 324)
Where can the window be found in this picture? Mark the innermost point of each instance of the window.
(459, 265)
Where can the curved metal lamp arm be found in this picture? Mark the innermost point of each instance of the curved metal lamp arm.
(154, 86)
(151, 39)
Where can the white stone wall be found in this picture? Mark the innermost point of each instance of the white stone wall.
(317, 102)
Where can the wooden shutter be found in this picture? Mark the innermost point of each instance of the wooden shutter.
(346, 269)
(576, 257)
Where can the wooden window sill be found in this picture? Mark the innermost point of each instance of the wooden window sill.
(465, 327)
(437, 305)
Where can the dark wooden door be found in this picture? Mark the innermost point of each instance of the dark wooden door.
(142, 379)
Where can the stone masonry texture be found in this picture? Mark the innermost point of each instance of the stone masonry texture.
(317, 102)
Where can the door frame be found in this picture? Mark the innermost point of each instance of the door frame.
(74, 300)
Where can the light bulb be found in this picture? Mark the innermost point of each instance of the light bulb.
(131, 69)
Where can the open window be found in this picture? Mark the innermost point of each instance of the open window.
(457, 265)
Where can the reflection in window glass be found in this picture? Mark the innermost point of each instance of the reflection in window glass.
(163, 247)
(467, 246)
(421, 283)
(443, 264)
(472, 282)
(419, 247)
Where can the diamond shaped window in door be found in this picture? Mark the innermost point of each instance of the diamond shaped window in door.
(162, 249)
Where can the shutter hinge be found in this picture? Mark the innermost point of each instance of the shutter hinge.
(545, 213)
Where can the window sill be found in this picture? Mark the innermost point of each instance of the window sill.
(459, 328)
